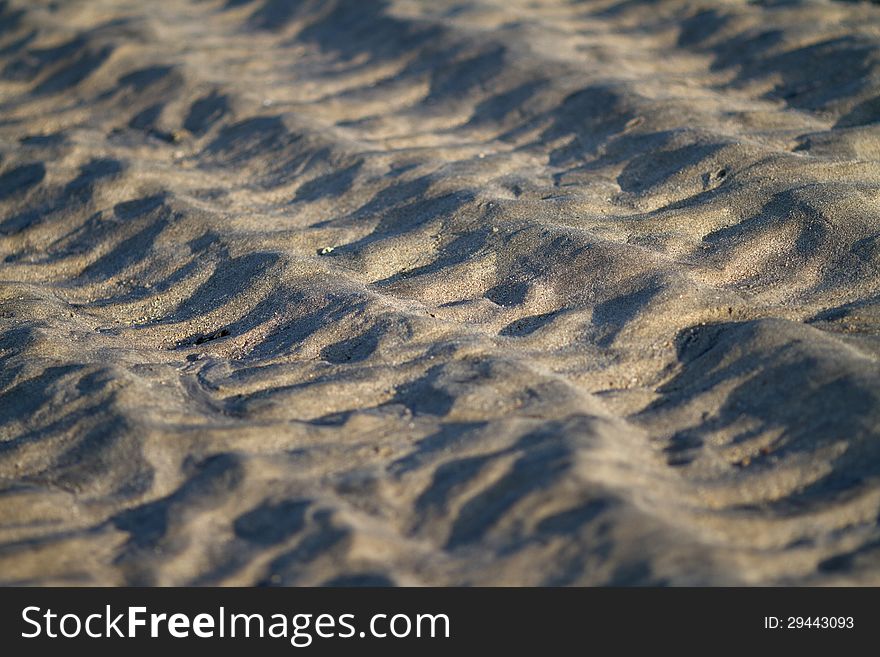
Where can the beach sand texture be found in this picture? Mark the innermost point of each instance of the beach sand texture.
(439, 293)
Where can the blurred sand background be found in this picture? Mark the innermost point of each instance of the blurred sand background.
(437, 292)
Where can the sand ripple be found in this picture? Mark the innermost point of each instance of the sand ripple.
(494, 292)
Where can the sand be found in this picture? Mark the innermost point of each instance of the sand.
(439, 293)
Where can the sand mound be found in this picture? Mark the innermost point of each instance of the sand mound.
(494, 292)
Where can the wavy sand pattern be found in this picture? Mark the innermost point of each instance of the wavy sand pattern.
(487, 292)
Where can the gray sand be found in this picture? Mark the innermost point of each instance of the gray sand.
(440, 292)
